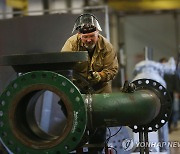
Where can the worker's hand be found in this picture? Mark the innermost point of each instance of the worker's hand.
(94, 77)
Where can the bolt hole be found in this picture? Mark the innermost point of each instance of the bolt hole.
(66, 147)
(1, 124)
(64, 83)
(147, 81)
(164, 93)
(139, 82)
(160, 87)
(135, 127)
(72, 90)
(2, 103)
(150, 128)
(15, 85)
(1, 113)
(8, 93)
(163, 121)
(77, 99)
(154, 83)
(157, 126)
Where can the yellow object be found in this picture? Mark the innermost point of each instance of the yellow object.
(144, 5)
(19, 4)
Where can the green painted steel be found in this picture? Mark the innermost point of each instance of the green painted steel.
(14, 129)
(116, 109)
(148, 106)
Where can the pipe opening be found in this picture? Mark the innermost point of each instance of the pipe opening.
(45, 118)
(41, 116)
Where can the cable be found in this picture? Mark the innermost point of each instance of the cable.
(113, 149)
(110, 136)
(107, 140)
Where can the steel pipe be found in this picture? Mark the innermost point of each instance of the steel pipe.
(146, 108)
(19, 130)
(127, 109)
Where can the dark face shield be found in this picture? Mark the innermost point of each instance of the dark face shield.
(86, 23)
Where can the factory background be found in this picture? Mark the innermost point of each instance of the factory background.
(133, 27)
(130, 29)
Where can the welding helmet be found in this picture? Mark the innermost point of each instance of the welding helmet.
(86, 23)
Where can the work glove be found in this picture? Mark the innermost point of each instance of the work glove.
(94, 77)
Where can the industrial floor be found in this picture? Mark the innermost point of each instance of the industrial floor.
(174, 135)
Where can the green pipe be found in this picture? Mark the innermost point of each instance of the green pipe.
(127, 109)
(148, 106)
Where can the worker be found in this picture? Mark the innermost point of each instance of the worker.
(102, 65)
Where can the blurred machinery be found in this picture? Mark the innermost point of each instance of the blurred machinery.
(144, 105)
(149, 69)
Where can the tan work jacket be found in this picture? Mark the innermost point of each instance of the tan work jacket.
(104, 60)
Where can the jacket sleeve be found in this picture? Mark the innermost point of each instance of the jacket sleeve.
(110, 65)
(67, 46)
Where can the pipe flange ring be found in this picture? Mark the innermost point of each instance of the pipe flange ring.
(165, 100)
(15, 132)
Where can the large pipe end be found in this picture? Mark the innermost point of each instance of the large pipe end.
(164, 113)
(19, 129)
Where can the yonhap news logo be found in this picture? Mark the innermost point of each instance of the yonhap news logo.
(128, 144)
